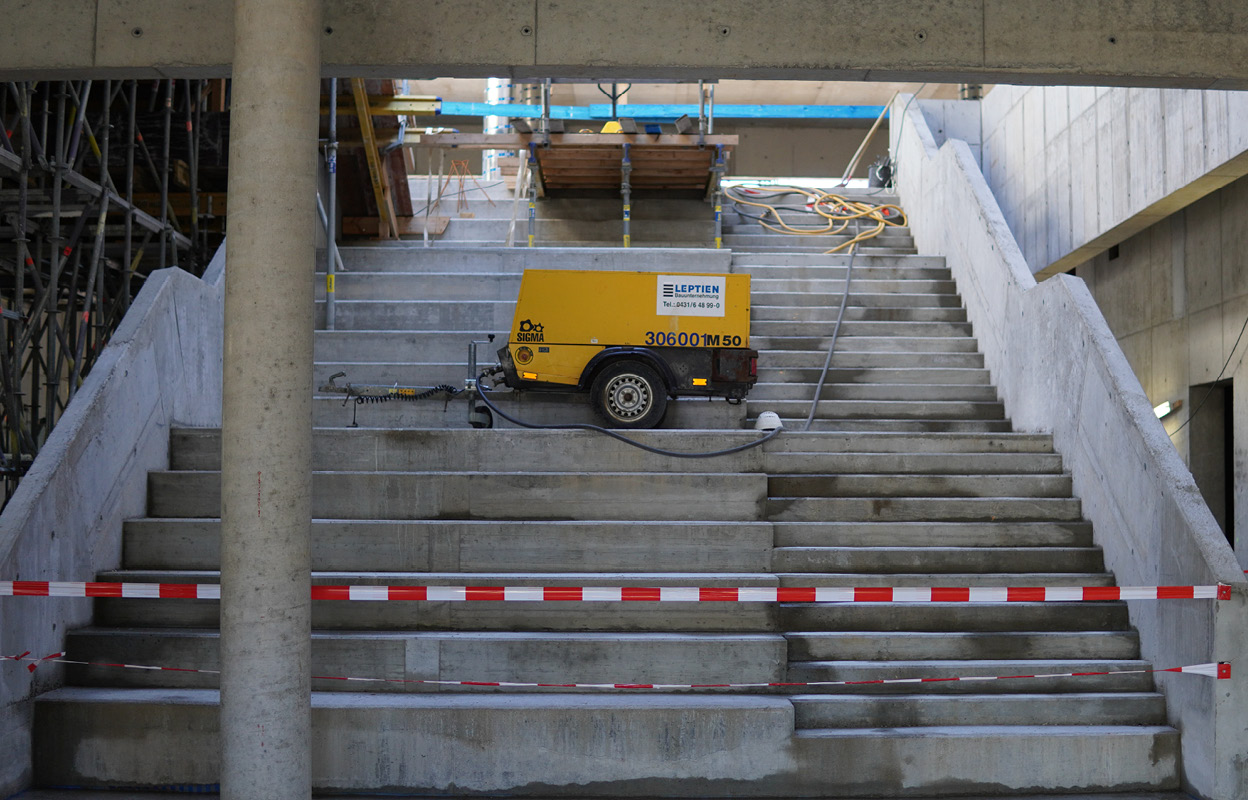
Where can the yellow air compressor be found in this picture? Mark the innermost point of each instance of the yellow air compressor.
(631, 339)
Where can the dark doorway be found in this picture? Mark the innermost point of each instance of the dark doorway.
(1211, 449)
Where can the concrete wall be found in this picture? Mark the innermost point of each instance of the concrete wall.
(162, 367)
(1176, 298)
(1058, 369)
(1077, 169)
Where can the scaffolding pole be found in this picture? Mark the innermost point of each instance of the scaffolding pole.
(76, 235)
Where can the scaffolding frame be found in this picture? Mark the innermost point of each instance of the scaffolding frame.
(75, 247)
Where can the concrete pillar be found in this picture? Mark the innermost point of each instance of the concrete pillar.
(266, 477)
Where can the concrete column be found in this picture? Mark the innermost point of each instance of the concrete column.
(266, 476)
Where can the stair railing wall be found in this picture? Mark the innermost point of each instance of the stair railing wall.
(162, 367)
(1060, 370)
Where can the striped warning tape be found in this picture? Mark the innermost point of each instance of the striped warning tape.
(646, 594)
(1220, 670)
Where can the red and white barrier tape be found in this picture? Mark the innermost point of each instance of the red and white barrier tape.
(1219, 670)
(647, 594)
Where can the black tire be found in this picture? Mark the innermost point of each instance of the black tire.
(629, 394)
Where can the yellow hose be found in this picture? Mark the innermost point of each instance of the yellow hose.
(837, 210)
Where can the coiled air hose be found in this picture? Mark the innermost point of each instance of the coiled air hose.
(407, 394)
(838, 211)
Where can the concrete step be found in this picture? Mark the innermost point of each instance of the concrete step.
(909, 464)
(904, 443)
(871, 670)
(401, 347)
(919, 646)
(784, 319)
(874, 391)
(860, 282)
(839, 375)
(811, 263)
(87, 794)
(390, 449)
(955, 580)
(936, 559)
(760, 238)
(893, 343)
(692, 240)
(327, 615)
(473, 545)
(527, 736)
(897, 425)
(492, 495)
(400, 656)
(933, 534)
(923, 509)
(865, 267)
(483, 230)
(741, 223)
(845, 358)
(906, 485)
(865, 296)
(954, 617)
(1033, 708)
(822, 331)
(782, 345)
(392, 285)
(494, 316)
(363, 283)
(761, 244)
(540, 408)
(476, 317)
(883, 409)
(415, 257)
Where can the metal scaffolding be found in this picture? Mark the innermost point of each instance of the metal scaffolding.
(86, 213)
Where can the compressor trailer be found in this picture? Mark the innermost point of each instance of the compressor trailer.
(631, 339)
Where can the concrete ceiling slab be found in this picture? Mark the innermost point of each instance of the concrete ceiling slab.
(1090, 42)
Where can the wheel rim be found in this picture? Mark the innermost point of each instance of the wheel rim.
(628, 397)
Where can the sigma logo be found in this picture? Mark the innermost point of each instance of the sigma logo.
(530, 332)
(691, 295)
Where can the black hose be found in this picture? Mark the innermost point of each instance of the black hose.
(582, 426)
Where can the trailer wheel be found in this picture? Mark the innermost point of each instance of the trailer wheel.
(629, 394)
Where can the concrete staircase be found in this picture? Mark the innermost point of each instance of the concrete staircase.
(910, 476)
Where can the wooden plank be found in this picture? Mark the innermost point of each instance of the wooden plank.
(407, 226)
(397, 106)
(377, 175)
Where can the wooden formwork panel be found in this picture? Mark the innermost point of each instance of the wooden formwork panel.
(595, 160)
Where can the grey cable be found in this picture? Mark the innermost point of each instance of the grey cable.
(582, 426)
(836, 331)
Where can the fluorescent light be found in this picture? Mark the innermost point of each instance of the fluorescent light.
(1167, 407)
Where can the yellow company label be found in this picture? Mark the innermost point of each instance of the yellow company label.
(329, 283)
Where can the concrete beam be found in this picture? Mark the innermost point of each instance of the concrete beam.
(1170, 204)
(1097, 42)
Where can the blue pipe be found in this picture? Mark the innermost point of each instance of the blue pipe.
(662, 113)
